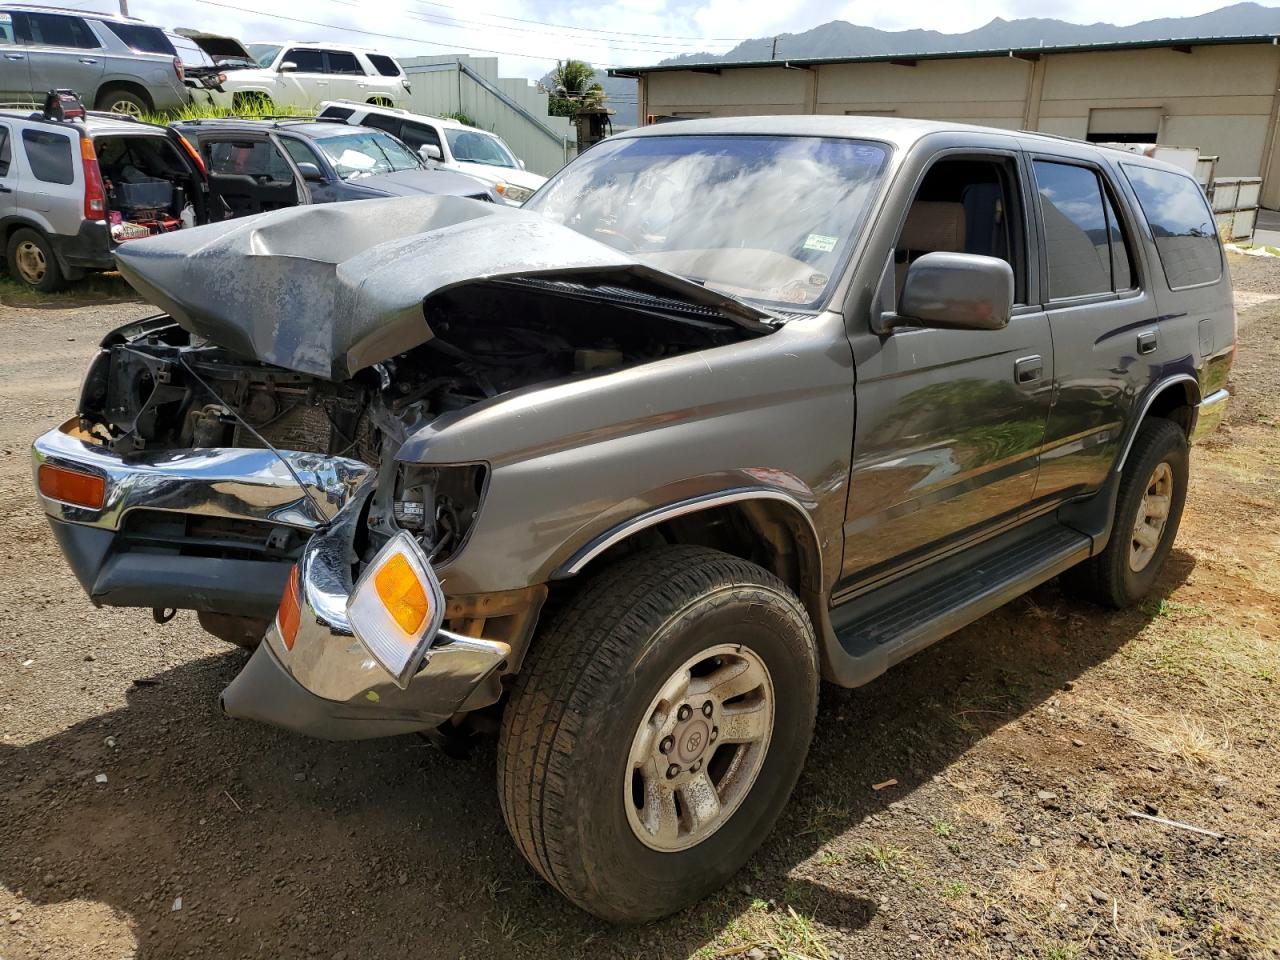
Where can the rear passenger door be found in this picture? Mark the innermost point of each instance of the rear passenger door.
(345, 75)
(249, 174)
(64, 53)
(1103, 316)
(9, 171)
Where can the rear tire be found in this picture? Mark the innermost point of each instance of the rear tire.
(124, 102)
(636, 773)
(1154, 482)
(32, 262)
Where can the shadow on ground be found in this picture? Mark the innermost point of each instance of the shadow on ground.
(285, 847)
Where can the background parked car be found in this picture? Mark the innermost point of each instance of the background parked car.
(448, 143)
(112, 63)
(72, 191)
(259, 165)
(207, 59)
(305, 74)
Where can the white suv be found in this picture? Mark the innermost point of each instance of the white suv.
(446, 143)
(304, 74)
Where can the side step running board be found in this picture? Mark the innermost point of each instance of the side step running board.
(891, 623)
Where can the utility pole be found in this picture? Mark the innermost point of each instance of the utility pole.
(124, 8)
(773, 52)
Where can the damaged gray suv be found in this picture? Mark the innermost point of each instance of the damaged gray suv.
(730, 406)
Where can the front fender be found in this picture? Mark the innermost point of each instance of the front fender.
(571, 462)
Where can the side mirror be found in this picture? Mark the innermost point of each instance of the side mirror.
(429, 151)
(955, 291)
(521, 162)
(310, 172)
(288, 66)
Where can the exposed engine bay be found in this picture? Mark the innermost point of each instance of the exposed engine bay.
(155, 386)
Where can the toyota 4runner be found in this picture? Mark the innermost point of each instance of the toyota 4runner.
(729, 407)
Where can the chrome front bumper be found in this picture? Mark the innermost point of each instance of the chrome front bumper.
(232, 482)
(329, 686)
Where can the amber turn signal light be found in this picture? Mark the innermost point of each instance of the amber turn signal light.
(72, 486)
(289, 616)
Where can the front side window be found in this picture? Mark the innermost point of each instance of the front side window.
(305, 61)
(340, 61)
(247, 158)
(6, 29)
(355, 155)
(468, 146)
(418, 135)
(1182, 225)
(264, 53)
(49, 156)
(767, 218)
(55, 30)
(384, 123)
(301, 152)
(141, 38)
(1084, 242)
(384, 65)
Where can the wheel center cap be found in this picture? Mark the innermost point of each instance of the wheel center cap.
(691, 739)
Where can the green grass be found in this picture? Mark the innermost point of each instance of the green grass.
(252, 110)
(95, 288)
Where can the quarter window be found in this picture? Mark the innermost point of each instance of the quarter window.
(342, 62)
(1084, 241)
(384, 65)
(307, 61)
(1182, 225)
(49, 156)
(6, 152)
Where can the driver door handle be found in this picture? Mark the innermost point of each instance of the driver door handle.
(88, 60)
(1028, 369)
(14, 56)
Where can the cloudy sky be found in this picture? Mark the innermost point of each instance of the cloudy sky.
(528, 35)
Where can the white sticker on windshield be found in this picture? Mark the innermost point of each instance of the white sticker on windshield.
(821, 243)
(6, 18)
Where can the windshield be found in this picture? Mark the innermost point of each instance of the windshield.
(766, 218)
(469, 146)
(264, 53)
(364, 154)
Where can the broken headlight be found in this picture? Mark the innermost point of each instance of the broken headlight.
(438, 504)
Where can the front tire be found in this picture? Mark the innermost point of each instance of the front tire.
(1153, 491)
(657, 729)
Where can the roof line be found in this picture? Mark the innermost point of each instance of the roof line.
(1016, 52)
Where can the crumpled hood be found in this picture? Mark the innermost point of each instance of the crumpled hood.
(330, 289)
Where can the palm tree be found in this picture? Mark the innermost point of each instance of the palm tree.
(574, 77)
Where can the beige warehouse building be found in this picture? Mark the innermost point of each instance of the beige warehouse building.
(1221, 95)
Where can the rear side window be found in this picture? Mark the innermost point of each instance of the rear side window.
(141, 38)
(342, 62)
(54, 30)
(1181, 223)
(1084, 241)
(49, 155)
(306, 61)
(6, 152)
(384, 65)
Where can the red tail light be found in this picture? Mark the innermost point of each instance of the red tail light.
(95, 194)
(177, 68)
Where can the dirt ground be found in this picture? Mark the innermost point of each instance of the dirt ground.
(136, 821)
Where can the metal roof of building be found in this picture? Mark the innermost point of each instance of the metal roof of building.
(1024, 53)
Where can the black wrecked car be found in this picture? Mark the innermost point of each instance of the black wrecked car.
(260, 165)
(728, 408)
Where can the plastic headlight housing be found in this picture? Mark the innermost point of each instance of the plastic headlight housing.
(514, 193)
(397, 607)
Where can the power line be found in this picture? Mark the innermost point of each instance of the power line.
(386, 36)
(563, 26)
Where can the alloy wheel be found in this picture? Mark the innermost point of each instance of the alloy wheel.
(1153, 515)
(126, 107)
(699, 748)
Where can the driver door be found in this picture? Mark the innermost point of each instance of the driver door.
(949, 423)
(250, 174)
